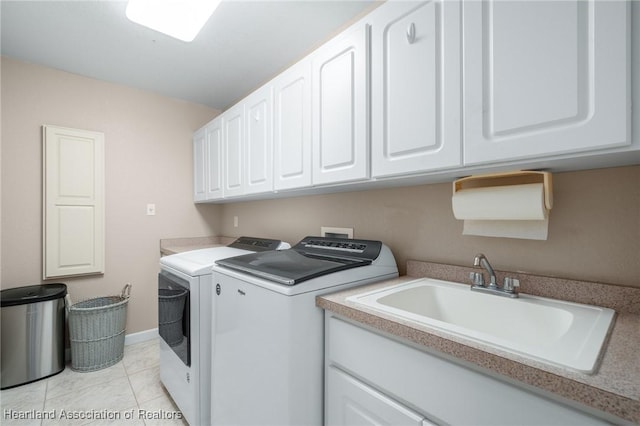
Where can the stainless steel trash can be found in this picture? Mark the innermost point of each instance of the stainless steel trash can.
(33, 326)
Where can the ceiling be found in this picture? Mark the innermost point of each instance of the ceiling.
(242, 46)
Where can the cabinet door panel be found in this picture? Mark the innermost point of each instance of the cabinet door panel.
(530, 93)
(233, 151)
(353, 403)
(199, 166)
(415, 87)
(259, 169)
(73, 204)
(213, 133)
(292, 112)
(340, 137)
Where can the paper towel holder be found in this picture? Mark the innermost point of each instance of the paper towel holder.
(519, 177)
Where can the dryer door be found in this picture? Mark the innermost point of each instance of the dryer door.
(174, 325)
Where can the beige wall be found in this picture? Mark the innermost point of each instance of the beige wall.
(148, 160)
(594, 230)
(594, 227)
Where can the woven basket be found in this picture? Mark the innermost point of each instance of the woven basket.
(96, 331)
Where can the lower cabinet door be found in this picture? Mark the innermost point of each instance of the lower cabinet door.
(351, 402)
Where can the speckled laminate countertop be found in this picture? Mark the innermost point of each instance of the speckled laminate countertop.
(614, 387)
(170, 246)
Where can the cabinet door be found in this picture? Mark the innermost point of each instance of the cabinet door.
(415, 71)
(213, 166)
(544, 77)
(352, 403)
(259, 141)
(340, 122)
(199, 165)
(233, 137)
(292, 122)
(73, 203)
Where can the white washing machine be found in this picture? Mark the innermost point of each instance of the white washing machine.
(185, 322)
(269, 335)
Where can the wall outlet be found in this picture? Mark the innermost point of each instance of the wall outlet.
(235, 221)
(151, 209)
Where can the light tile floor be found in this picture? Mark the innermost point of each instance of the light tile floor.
(128, 393)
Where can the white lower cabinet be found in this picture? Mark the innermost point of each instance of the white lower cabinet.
(352, 402)
(372, 379)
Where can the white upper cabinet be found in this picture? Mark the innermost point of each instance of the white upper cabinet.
(292, 127)
(340, 108)
(213, 142)
(259, 141)
(544, 78)
(207, 162)
(415, 95)
(233, 148)
(199, 166)
(422, 90)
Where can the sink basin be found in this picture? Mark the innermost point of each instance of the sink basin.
(562, 333)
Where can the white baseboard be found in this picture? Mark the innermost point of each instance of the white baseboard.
(141, 336)
(129, 339)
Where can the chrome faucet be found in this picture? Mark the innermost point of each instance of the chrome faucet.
(477, 280)
(482, 261)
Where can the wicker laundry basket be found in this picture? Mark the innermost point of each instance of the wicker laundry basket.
(170, 314)
(96, 331)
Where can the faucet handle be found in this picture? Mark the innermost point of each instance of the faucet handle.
(476, 278)
(510, 284)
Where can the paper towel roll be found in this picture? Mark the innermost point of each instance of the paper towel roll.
(512, 202)
(523, 229)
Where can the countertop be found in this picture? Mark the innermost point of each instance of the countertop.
(170, 246)
(614, 387)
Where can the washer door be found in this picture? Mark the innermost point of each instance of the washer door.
(174, 325)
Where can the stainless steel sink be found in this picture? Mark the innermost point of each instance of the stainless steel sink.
(561, 333)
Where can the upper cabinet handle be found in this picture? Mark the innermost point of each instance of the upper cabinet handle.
(411, 33)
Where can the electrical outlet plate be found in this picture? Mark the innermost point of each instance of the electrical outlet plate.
(331, 231)
(151, 209)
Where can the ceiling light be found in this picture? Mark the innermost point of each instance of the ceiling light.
(182, 19)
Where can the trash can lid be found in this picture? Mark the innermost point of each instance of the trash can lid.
(32, 294)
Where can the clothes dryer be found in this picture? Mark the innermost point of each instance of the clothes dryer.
(185, 322)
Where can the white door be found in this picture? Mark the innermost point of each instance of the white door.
(199, 166)
(351, 402)
(415, 98)
(340, 108)
(259, 141)
(73, 205)
(213, 133)
(544, 77)
(233, 136)
(292, 132)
